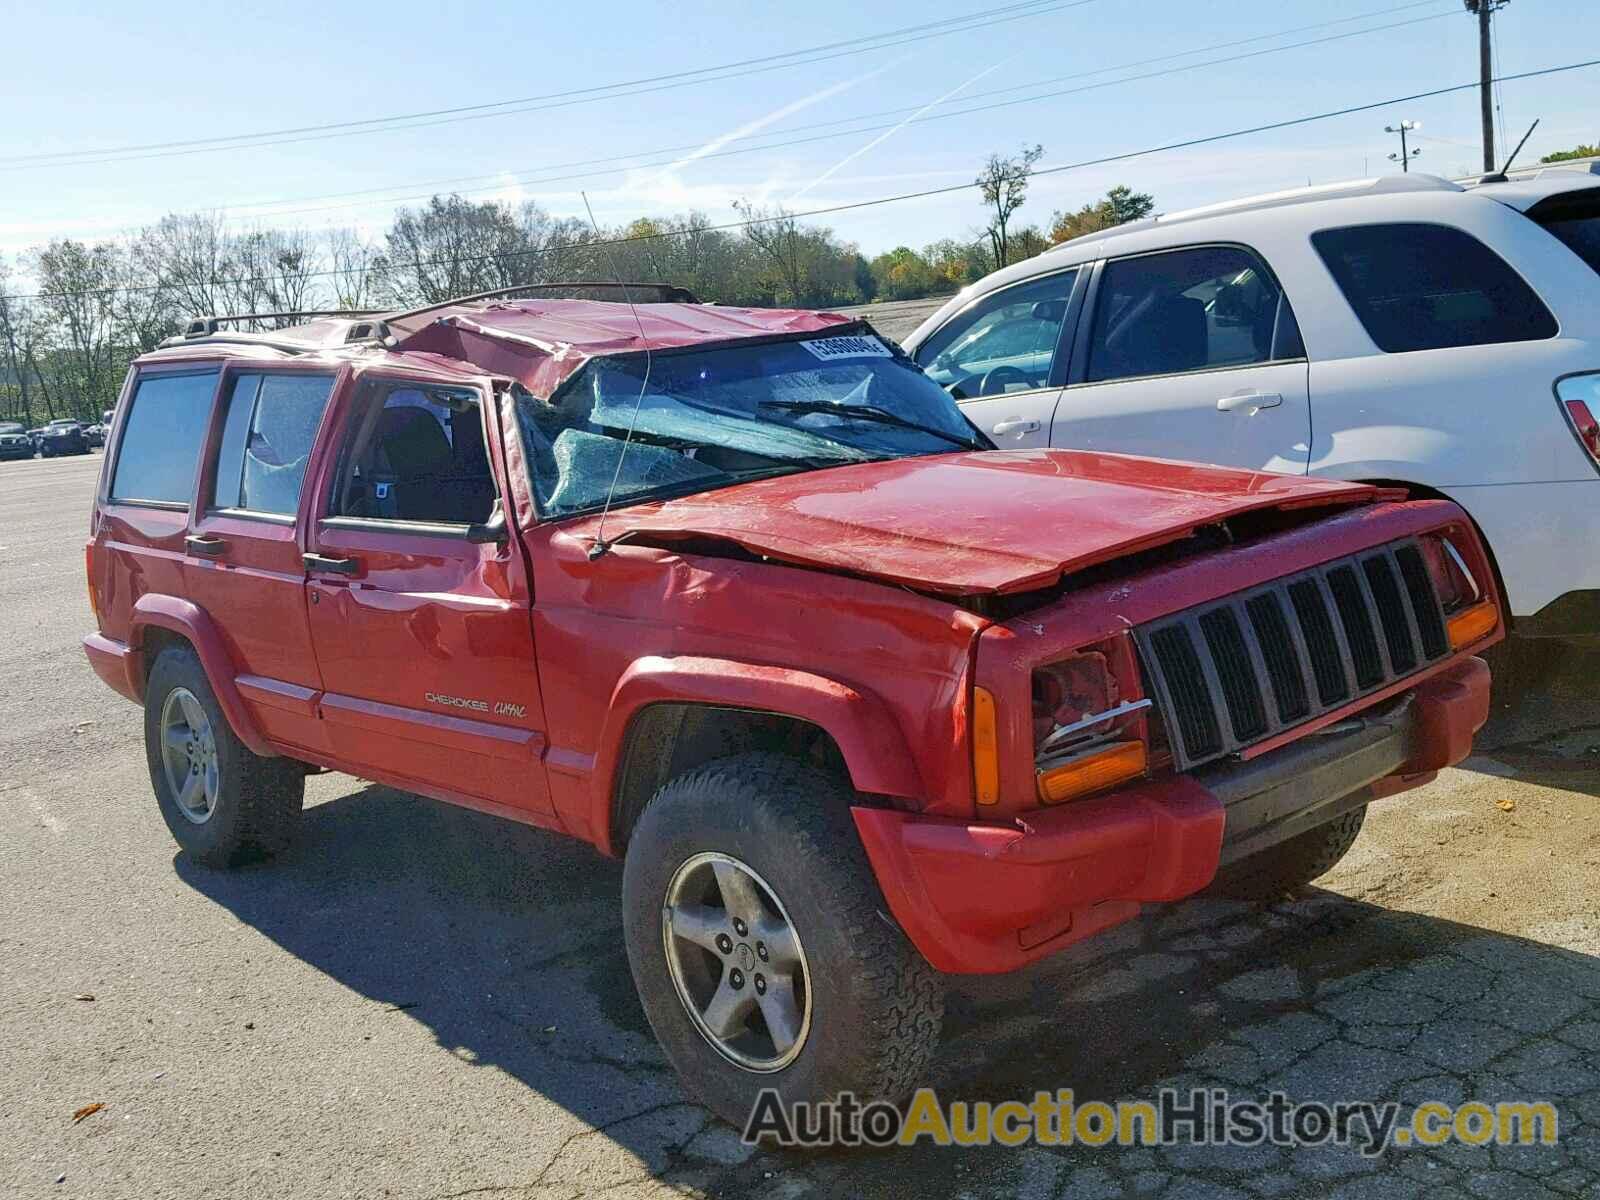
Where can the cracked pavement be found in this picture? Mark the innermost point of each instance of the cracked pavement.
(425, 1002)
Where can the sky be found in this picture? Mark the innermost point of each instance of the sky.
(1086, 79)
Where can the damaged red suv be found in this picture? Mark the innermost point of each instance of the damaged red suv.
(741, 597)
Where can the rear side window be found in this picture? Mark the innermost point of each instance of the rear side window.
(266, 441)
(161, 437)
(1431, 287)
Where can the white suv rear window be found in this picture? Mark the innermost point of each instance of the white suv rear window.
(1431, 287)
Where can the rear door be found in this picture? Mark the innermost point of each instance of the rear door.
(1188, 354)
(420, 605)
(242, 557)
(1000, 357)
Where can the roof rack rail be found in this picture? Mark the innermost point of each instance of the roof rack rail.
(664, 293)
(206, 326)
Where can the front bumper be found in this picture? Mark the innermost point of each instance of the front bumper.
(16, 450)
(987, 898)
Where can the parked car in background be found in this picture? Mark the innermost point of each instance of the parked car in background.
(14, 441)
(62, 437)
(36, 437)
(738, 595)
(1405, 330)
(95, 435)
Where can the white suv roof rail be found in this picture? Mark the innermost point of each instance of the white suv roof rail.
(1381, 185)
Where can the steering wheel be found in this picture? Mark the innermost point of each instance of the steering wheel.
(995, 381)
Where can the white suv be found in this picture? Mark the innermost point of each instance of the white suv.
(1403, 330)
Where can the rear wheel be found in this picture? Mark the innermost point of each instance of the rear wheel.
(1284, 869)
(223, 804)
(758, 943)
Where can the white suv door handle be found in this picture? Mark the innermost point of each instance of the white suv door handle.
(1014, 425)
(1254, 401)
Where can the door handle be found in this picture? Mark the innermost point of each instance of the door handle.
(207, 547)
(336, 566)
(1014, 425)
(1254, 401)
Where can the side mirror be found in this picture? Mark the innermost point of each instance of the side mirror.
(1049, 310)
(490, 532)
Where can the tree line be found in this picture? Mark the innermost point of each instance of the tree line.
(73, 313)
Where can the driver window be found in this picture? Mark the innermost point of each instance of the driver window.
(415, 453)
(1005, 342)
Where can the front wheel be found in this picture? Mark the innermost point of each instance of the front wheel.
(224, 804)
(1284, 869)
(759, 944)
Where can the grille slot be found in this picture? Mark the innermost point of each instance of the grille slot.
(1242, 693)
(1359, 635)
(1189, 691)
(1251, 665)
(1424, 604)
(1321, 642)
(1391, 613)
(1282, 659)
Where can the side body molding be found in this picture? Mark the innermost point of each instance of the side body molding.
(183, 617)
(873, 745)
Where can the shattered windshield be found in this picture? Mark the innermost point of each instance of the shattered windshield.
(707, 418)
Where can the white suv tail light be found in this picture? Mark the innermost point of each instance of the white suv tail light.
(1580, 401)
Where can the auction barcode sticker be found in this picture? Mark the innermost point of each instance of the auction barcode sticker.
(864, 346)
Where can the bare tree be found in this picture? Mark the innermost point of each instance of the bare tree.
(1004, 184)
(356, 264)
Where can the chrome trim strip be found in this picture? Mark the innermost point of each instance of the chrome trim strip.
(1121, 710)
(1455, 557)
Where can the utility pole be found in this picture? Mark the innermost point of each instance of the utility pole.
(1405, 156)
(1484, 10)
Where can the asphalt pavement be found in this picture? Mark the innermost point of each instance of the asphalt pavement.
(424, 1002)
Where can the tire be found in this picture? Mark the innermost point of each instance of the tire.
(1524, 666)
(251, 804)
(874, 1026)
(1287, 867)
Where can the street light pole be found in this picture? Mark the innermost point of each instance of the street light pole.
(1406, 155)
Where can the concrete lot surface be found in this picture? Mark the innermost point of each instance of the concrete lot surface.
(423, 1002)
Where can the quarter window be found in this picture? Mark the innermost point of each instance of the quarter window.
(161, 438)
(1187, 310)
(267, 437)
(1005, 342)
(1430, 287)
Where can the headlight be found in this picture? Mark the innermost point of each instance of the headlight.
(1089, 723)
(1468, 615)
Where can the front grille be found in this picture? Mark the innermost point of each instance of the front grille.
(1238, 670)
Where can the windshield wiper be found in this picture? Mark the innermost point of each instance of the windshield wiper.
(870, 412)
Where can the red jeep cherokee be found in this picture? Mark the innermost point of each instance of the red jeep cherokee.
(859, 698)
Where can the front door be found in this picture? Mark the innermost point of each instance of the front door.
(420, 604)
(242, 561)
(1189, 354)
(1000, 358)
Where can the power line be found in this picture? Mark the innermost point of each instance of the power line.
(829, 210)
(386, 195)
(405, 121)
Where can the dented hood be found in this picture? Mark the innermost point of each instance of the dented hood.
(971, 523)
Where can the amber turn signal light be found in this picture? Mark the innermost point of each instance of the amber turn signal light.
(1093, 772)
(1471, 624)
(985, 748)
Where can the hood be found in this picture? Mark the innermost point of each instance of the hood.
(973, 523)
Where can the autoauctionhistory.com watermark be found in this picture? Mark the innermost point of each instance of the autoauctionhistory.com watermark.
(1210, 1117)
